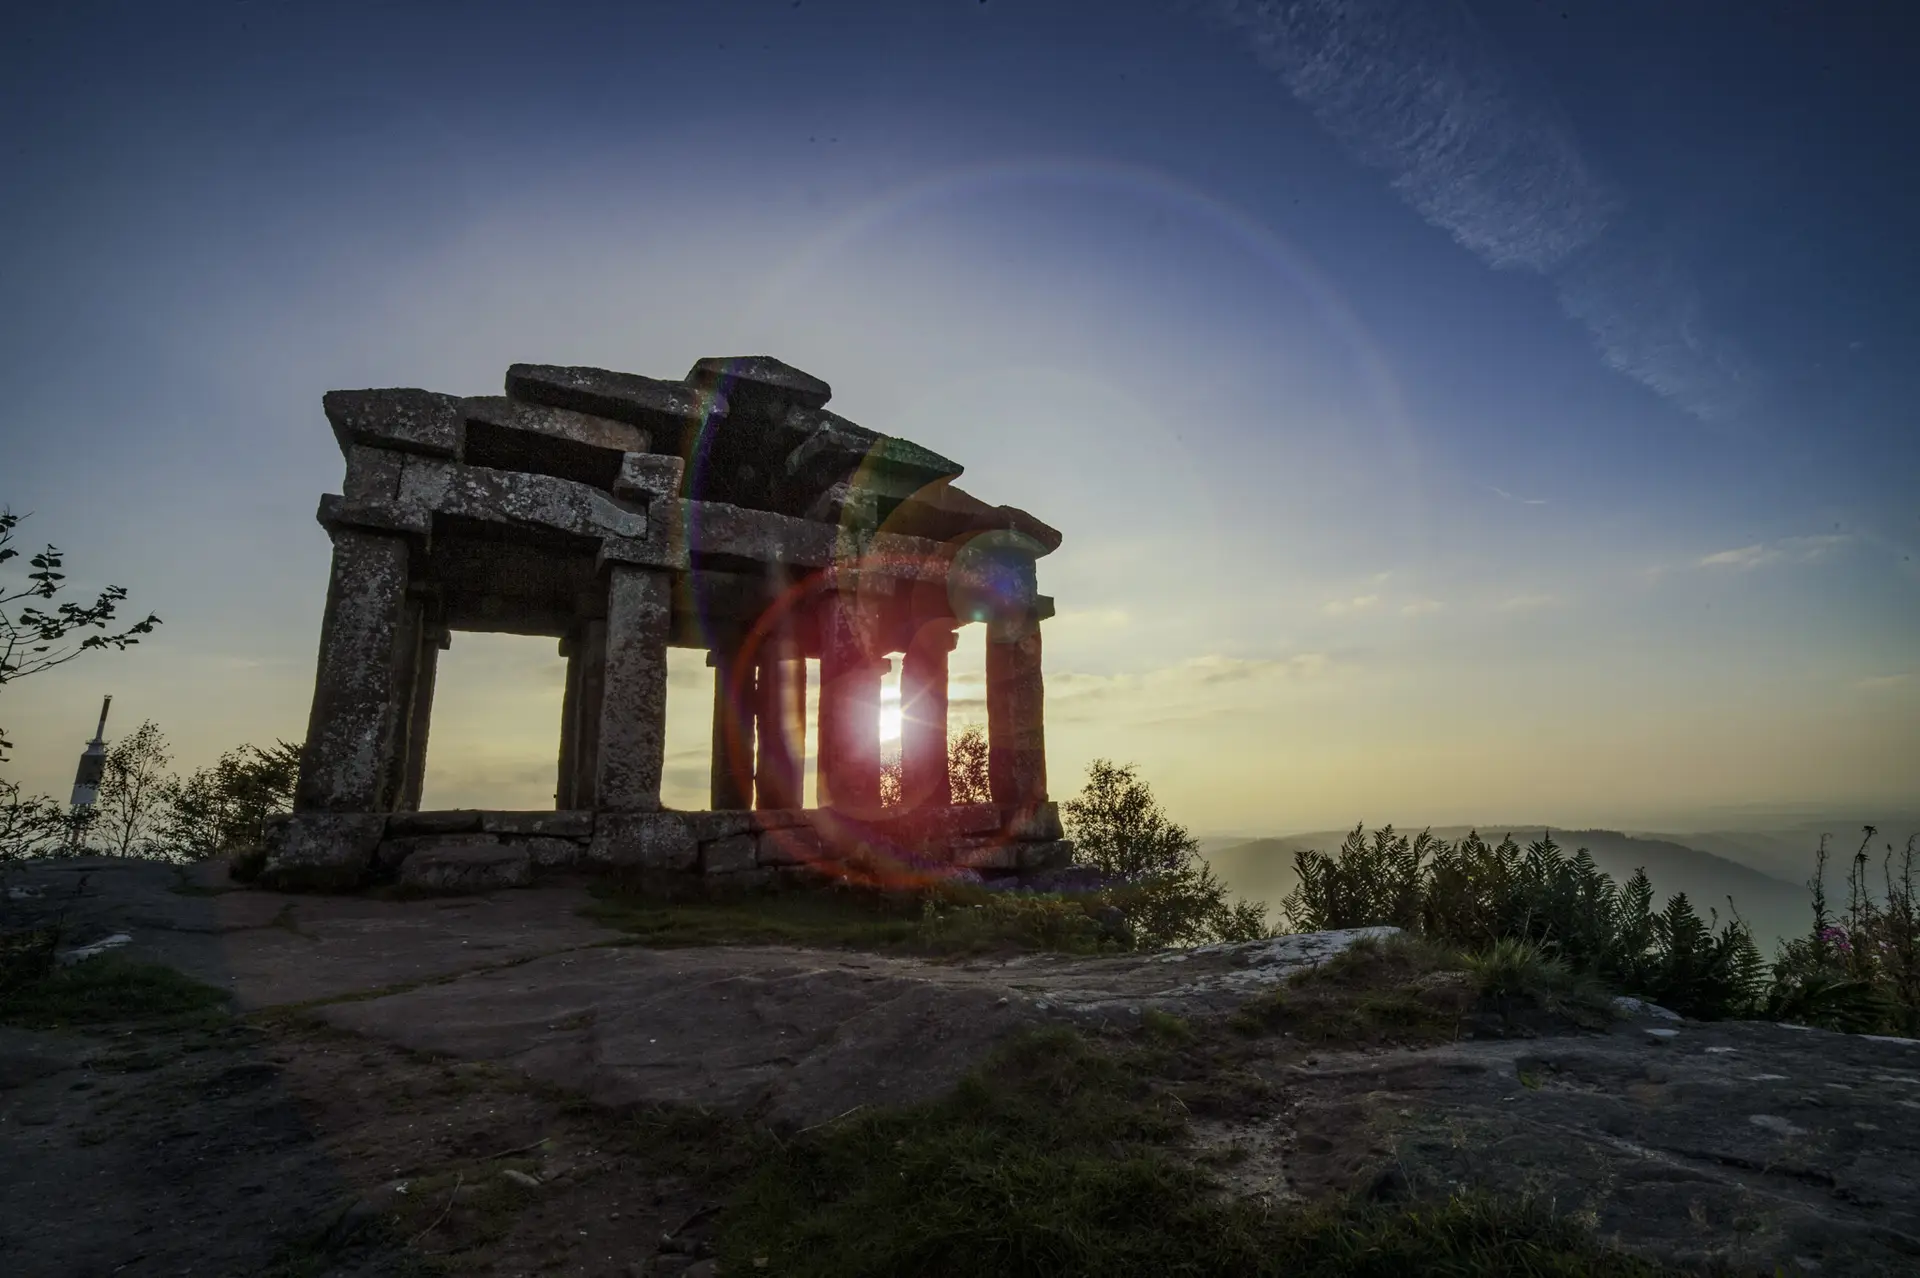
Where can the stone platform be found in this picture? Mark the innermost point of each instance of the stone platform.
(471, 850)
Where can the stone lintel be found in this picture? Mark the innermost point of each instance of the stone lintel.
(517, 499)
(406, 419)
(603, 433)
(669, 411)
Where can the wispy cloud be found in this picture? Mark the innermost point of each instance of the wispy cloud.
(1344, 607)
(1420, 607)
(1417, 92)
(1199, 687)
(1883, 683)
(1524, 501)
(1762, 554)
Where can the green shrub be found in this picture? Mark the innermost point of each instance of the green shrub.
(1477, 896)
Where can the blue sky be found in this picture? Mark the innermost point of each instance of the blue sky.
(1454, 412)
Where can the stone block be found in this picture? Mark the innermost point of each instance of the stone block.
(986, 854)
(1039, 823)
(708, 826)
(669, 411)
(730, 855)
(471, 866)
(645, 474)
(559, 825)
(413, 421)
(792, 845)
(551, 441)
(321, 851)
(973, 818)
(552, 853)
(643, 840)
(395, 852)
(759, 382)
(448, 821)
(1052, 855)
(515, 499)
(741, 881)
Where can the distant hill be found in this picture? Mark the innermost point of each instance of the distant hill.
(1786, 849)
(1262, 869)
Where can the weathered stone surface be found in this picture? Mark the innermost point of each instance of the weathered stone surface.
(708, 826)
(1053, 855)
(467, 867)
(779, 818)
(742, 881)
(1016, 727)
(373, 474)
(321, 851)
(838, 450)
(414, 421)
(552, 853)
(1039, 823)
(643, 840)
(448, 821)
(759, 383)
(563, 825)
(356, 722)
(729, 855)
(986, 854)
(504, 434)
(649, 475)
(668, 410)
(393, 853)
(793, 845)
(537, 503)
(633, 716)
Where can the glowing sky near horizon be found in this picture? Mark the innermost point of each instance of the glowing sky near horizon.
(1453, 412)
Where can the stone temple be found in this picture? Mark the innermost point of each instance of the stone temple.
(728, 511)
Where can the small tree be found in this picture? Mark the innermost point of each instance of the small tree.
(33, 640)
(224, 808)
(967, 773)
(1170, 895)
(132, 790)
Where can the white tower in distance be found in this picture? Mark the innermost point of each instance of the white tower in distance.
(93, 763)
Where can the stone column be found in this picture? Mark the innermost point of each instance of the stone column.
(733, 715)
(780, 704)
(355, 727)
(1016, 723)
(849, 734)
(569, 769)
(924, 779)
(590, 649)
(633, 711)
(434, 639)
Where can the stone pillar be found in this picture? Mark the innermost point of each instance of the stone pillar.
(780, 704)
(633, 711)
(590, 655)
(849, 733)
(1016, 723)
(924, 778)
(567, 777)
(434, 639)
(734, 710)
(355, 727)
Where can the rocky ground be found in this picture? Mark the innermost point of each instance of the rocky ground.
(458, 1080)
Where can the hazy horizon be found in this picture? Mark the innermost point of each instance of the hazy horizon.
(1493, 411)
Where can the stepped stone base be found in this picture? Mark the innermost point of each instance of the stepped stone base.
(460, 851)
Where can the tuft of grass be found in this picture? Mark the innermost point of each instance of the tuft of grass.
(1057, 1158)
(948, 920)
(1400, 990)
(106, 989)
(1514, 975)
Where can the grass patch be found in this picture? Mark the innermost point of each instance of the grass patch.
(1057, 1157)
(1400, 990)
(106, 989)
(1516, 977)
(944, 921)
